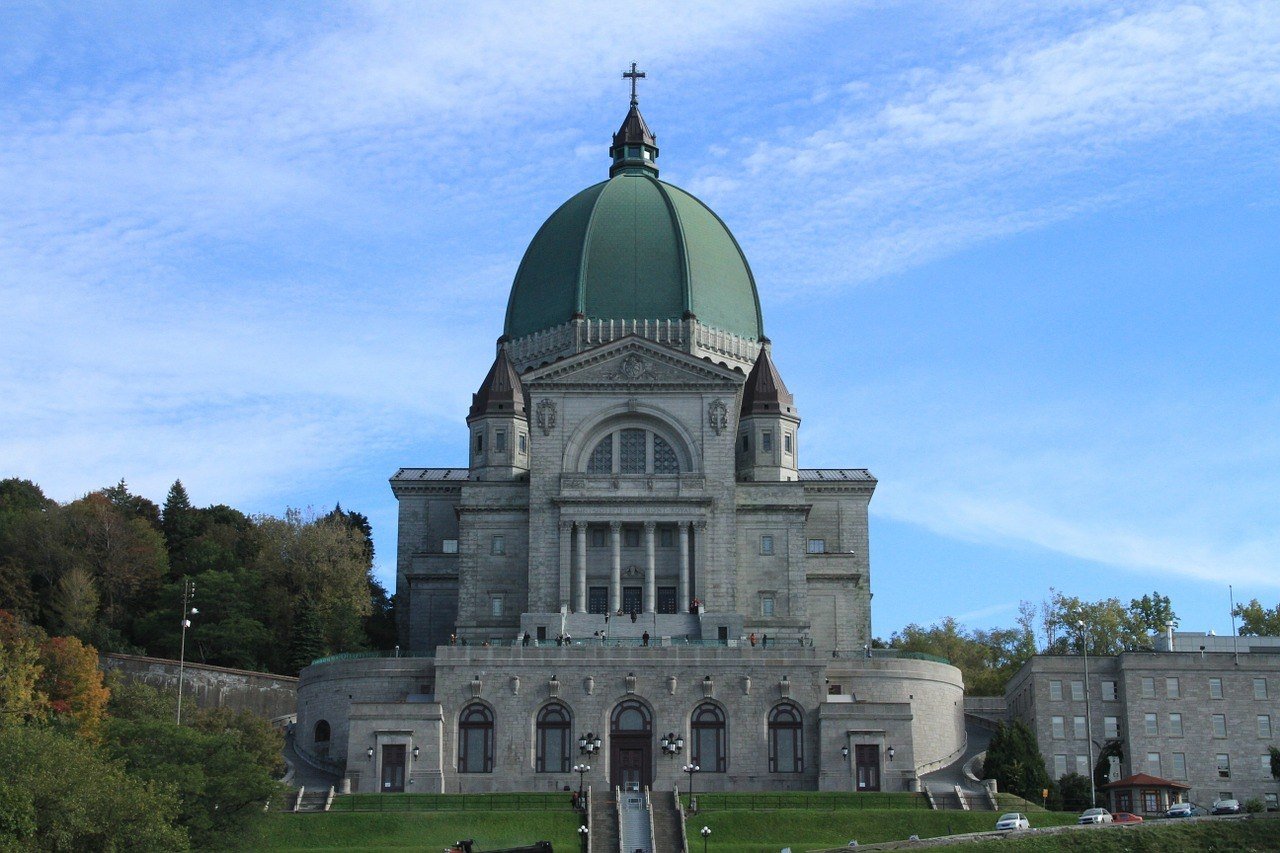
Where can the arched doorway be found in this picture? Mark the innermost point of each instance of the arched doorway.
(630, 746)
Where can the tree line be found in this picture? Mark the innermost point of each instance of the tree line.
(272, 593)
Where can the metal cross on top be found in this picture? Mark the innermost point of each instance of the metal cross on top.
(633, 75)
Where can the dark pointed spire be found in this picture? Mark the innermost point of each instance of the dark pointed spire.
(634, 145)
(764, 392)
(501, 392)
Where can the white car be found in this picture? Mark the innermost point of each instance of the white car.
(1013, 820)
(1096, 816)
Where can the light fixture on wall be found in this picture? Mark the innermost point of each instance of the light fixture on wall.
(672, 744)
(415, 753)
(844, 752)
(588, 744)
(369, 752)
(891, 752)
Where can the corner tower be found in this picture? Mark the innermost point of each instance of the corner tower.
(499, 425)
(768, 426)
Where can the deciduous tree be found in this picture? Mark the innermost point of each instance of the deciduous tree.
(1258, 621)
(72, 683)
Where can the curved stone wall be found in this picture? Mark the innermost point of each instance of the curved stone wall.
(326, 691)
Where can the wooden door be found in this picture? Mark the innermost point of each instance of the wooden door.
(867, 765)
(393, 760)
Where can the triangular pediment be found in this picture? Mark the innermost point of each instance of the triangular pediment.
(634, 361)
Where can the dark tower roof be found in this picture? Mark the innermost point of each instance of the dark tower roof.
(500, 392)
(634, 145)
(764, 392)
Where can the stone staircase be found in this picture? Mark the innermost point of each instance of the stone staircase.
(604, 823)
(634, 812)
(312, 800)
(668, 835)
(676, 626)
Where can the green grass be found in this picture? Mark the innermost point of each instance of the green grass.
(814, 800)
(1218, 836)
(367, 832)
(748, 831)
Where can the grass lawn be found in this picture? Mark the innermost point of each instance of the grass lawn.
(1215, 836)
(748, 831)
(368, 832)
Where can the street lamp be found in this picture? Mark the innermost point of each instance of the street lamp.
(188, 593)
(706, 833)
(672, 744)
(1088, 716)
(691, 768)
(582, 770)
(588, 744)
(583, 831)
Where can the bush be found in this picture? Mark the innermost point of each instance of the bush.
(1254, 806)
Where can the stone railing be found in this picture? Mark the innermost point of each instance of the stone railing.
(578, 335)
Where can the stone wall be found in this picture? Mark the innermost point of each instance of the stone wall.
(262, 693)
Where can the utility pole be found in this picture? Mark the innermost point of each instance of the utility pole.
(188, 595)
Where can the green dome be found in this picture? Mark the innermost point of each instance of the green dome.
(634, 248)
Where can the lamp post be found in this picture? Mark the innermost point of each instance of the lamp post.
(691, 768)
(582, 770)
(1088, 716)
(583, 832)
(706, 833)
(188, 593)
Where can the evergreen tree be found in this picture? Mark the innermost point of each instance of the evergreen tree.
(1014, 761)
(307, 640)
(179, 524)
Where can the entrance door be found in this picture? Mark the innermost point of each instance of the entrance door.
(630, 746)
(867, 762)
(631, 599)
(631, 768)
(393, 768)
(598, 599)
(666, 599)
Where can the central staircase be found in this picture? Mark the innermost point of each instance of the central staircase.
(634, 813)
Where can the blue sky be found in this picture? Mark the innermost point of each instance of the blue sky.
(1018, 259)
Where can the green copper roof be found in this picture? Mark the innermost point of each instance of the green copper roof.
(634, 248)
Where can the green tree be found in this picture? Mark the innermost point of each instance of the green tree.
(20, 670)
(133, 505)
(73, 604)
(1014, 761)
(1073, 790)
(1108, 625)
(59, 793)
(1258, 621)
(1275, 762)
(72, 682)
(124, 554)
(987, 659)
(137, 701)
(1152, 613)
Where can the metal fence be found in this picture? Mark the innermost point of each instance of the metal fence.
(537, 802)
(817, 800)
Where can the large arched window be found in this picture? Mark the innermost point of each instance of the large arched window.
(475, 740)
(786, 740)
(631, 717)
(709, 738)
(554, 723)
(633, 451)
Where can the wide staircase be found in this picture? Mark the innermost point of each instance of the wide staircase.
(633, 812)
(668, 837)
(604, 822)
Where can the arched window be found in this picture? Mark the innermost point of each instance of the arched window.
(786, 741)
(321, 734)
(709, 738)
(475, 740)
(633, 451)
(631, 716)
(554, 724)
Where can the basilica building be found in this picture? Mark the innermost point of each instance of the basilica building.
(633, 571)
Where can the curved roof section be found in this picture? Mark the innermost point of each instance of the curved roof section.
(634, 248)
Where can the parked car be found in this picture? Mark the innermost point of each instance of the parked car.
(1126, 817)
(1185, 810)
(1226, 807)
(1013, 820)
(1096, 816)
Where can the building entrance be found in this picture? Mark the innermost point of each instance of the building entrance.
(866, 759)
(393, 768)
(632, 598)
(630, 746)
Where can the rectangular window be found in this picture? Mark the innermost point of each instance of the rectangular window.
(1077, 723)
(479, 442)
(631, 538)
(495, 605)
(1175, 725)
(1108, 691)
(766, 544)
(817, 546)
(449, 546)
(1077, 691)
(497, 545)
(500, 441)
(1059, 727)
(1148, 688)
(665, 537)
(766, 441)
(1179, 765)
(1055, 690)
(1082, 765)
(745, 446)
(1153, 763)
(1059, 766)
(524, 443)
(1259, 688)
(786, 442)
(1273, 802)
(598, 539)
(1264, 726)
(1171, 689)
(1264, 766)
(1224, 765)
(1215, 688)
(1149, 720)
(766, 605)
(1219, 725)
(1111, 727)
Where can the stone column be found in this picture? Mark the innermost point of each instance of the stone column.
(581, 557)
(615, 578)
(684, 567)
(566, 558)
(650, 570)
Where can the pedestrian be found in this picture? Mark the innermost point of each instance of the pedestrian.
(644, 638)
(633, 617)
(525, 639)
(752, 639)
(764, 641)
(559, 639)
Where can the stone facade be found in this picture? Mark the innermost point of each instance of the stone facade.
(1175, 715)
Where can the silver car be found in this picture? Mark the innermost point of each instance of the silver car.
(1013, 820)
(1095, 816)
